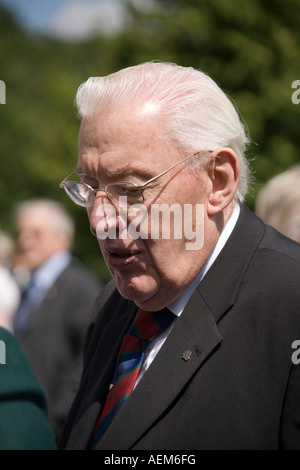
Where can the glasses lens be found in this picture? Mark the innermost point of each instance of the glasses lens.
(80, 193)
(124, 194)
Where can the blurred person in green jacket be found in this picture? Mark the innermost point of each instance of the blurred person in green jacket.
(23, 404)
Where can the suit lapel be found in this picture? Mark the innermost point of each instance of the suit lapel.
(105, 342)
(195, 334)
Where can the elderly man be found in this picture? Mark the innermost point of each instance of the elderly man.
(57, 305)
(220, 375)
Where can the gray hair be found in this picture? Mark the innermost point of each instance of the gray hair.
(197, 114)
(60, 220)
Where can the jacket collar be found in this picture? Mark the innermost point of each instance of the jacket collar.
(193, 338)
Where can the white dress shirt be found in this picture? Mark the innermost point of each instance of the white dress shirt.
(178, 305)
(45, 276)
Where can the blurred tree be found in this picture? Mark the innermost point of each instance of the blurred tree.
(39, 128)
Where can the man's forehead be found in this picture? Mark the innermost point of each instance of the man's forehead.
(118, 119)
(115, 171)
(124, 145)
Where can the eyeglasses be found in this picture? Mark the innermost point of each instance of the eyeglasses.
(123, 194)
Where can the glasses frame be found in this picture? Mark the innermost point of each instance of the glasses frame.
(139, 187)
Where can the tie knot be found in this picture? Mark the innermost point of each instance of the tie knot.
(148, 324)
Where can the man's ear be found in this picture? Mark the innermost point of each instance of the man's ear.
(224, 174)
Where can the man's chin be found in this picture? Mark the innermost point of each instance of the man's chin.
(136, 289)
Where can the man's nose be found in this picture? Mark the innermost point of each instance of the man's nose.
(103, 215)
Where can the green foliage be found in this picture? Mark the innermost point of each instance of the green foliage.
(39, 127)
(250, 48)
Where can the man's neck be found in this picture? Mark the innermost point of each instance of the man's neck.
(178, 305)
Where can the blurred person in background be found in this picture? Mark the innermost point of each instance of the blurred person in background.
(56, 305)
(278, 203)
(9, 290)
(23, 402)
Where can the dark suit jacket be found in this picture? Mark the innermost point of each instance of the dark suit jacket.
(54, 337)
(23, 405)
(240, 388)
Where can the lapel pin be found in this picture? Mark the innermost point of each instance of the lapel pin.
(186, 355)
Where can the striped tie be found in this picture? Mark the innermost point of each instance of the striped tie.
(130, 360)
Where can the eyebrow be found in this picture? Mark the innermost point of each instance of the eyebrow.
(128, 170)
(123, 172)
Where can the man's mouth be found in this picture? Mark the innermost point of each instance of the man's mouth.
(118, 258)
(122, 255)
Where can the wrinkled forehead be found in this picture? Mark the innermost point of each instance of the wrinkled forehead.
(120, 139)
(117, 116)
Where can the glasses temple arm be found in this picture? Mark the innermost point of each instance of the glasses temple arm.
(166, 171)
(61, 185)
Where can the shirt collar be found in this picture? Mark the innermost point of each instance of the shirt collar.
(46, 274)
(178, 305)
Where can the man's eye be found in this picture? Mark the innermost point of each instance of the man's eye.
(90, 181)
(127, 191)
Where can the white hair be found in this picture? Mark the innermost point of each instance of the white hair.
(197, 114)
(60, 220)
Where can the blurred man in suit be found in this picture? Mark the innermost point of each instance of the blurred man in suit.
(221, 375)
(57, 304)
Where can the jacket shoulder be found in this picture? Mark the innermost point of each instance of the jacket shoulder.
(280, 244)
(22, 402)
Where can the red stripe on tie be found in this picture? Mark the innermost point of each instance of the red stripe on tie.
(130, 343)
(124, 387)
(145, 325)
